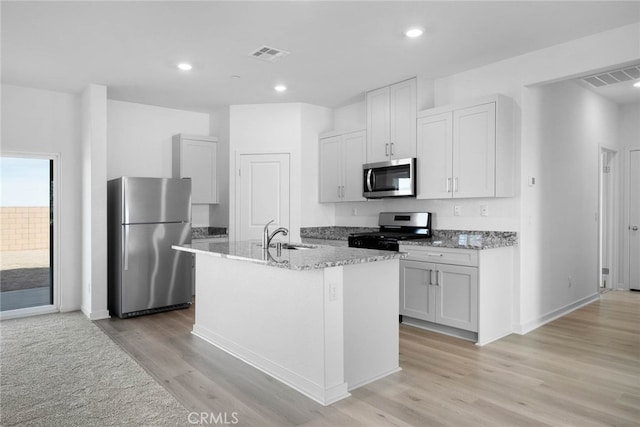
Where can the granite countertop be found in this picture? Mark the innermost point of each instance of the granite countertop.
(457, 239)
(466, 239)
(209, 236)
(312, 258)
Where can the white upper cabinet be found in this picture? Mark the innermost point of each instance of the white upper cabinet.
(474, 151)
(195, 157)
(466, 151)
(341, 160)
(391, 122)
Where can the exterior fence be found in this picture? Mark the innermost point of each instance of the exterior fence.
(24, 228)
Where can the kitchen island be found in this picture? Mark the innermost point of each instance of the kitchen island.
(321, 319)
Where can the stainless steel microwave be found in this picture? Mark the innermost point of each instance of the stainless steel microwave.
(394, 178)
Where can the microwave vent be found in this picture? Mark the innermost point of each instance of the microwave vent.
(269, 54)
(614, 76)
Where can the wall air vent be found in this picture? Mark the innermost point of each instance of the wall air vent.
(614, 76)
(269, 54)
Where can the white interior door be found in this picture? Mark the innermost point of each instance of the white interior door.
(263, 194)
(634, 219)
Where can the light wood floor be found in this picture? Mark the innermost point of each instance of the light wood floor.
(580, 370)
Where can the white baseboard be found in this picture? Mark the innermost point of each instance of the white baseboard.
(95, 315)
(525, 328)
(322, 395)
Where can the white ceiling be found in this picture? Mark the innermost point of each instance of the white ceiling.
(338, 49)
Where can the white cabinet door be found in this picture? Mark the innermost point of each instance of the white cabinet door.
(457, 296)
(634, 219)
(378, 125)
(330, 169)
(435, 152)
(391, 122)
(402, 118)
(195, 157)
(341, 160)
(354, 146)
(474, 151)
(416, 290)
(263, 194)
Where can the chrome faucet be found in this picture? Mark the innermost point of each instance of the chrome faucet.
(266, 237)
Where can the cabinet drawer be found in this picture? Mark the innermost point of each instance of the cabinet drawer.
(441, 255)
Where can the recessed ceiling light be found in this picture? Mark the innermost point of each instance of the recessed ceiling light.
(636, 84)
(185, 66)
(413, 32)
(280, 88)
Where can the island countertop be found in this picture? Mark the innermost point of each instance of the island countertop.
(307, 257)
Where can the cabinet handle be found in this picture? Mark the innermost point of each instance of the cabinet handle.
(634, 227)
(455, 184)
(386, 149)
(392, 148)
(338, 191)
(437, 281)
(430, 254)
(342, 188)
(448, 185)
(429, 273)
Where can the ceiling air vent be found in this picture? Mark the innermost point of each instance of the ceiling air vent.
(269, 54)
(614, 76)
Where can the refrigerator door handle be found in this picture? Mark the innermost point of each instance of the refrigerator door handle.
(126, 247)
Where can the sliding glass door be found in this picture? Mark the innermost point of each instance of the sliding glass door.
(27, 232)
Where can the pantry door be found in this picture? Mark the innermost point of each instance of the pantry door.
(264, 193)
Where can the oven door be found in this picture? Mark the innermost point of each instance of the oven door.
(374, 242)
(395, 178)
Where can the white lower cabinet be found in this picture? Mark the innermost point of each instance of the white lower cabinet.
(460, 292)
(440, 293)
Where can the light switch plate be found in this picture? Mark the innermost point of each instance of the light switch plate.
(457, 209)
(484, 210)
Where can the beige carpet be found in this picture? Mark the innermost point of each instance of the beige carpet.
(62, 370)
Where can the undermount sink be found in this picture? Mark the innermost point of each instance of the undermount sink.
(294, 246)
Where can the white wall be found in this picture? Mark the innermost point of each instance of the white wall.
(571, 123)
(280, 128)
(513, 77)
(139, 142)
(315, 120)
(45, 122)
(219, 126)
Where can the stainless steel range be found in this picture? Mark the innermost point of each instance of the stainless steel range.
(394, 228)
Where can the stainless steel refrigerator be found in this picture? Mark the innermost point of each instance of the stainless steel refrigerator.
(145, 217)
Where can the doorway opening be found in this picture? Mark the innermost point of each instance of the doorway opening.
(27, 218)
(607, 214)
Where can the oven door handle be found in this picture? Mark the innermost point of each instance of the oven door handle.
(369, 184)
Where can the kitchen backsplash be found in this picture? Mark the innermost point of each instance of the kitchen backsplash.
(202, 232)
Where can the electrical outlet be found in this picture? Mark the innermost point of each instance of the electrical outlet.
(354, 212)
(457, 209)
(484, 210)
(333, 292)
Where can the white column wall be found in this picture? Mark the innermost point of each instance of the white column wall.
(94, 202)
